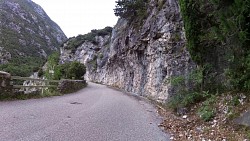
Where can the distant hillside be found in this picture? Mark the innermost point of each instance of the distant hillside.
(27, 36)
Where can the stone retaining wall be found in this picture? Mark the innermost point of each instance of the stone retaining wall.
(70, 86)
(5, 83)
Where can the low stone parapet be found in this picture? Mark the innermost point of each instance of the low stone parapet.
(70, 86)
(5, 83)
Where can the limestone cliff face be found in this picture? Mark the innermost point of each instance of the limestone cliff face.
(139, 59)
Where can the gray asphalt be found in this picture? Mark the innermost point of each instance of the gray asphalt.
(96, 113)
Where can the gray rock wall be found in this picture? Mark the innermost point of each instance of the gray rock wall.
(70, 86)
(141, 58)
(5, 85)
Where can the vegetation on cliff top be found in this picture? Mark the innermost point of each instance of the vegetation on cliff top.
(75, 42)
(131, 9)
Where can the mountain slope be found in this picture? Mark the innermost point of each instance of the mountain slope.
(27, 36)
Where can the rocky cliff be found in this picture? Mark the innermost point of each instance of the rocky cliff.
(139, 57)
(26, 33)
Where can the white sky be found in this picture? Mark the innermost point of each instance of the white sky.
(80, 16)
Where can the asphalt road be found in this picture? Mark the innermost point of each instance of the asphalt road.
(96, 113)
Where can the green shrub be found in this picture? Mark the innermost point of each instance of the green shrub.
(22, 66)
(108, 29)
(69, 70)
(206, 111)
(75, 42)
(186, 99)
(130, 9)
(76, 70)
(177, 80)
(218, 34)
(185, 96)
(102, 32)
(235, 101)
(52, 62)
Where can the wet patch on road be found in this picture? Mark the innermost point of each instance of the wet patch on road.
(75, 103)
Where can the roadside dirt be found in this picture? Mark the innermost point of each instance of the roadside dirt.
(190, 127)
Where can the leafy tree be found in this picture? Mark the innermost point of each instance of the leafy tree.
(62, 70)
(69, 70)
(130, 8)
(52, 63)
(76, 70)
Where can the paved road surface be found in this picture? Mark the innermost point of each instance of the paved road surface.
(96, 113)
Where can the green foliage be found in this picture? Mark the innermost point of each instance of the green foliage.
(53, 59)
(238, 30)
(22, 66)
(207, 112)
(184, 96)
(239, 75)
(76, 70)
(195, 78)
(177, 81)
(75, 42)
(186, 99)
(70, 70)
(20, 37)
(102, 32)
(190, 17)
(129, 9)
(218, 34)
(248, 134)
(232, 102)
(52, 62)
(235, 101)
(61, 71)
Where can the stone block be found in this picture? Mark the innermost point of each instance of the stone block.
(5, 83)
(70, 86)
